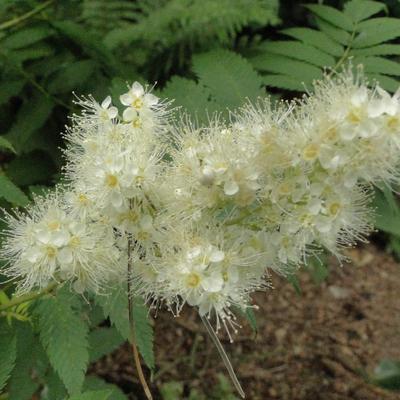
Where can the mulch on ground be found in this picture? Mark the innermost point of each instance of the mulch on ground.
(320, 345)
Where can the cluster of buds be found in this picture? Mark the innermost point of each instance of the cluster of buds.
(210, 211)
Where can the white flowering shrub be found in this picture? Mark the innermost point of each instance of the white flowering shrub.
(202, 214)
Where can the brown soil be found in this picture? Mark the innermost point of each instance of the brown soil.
(317, 346)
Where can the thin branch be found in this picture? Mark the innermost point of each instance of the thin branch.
(28, 297)
(223, 355)
(21, 18)
(136, 356)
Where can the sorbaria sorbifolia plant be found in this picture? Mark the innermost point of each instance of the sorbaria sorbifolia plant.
(201, 215)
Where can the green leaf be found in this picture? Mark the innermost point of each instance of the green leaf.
(115, 307)
(31, 364)
(63, 334)
(55, 388)
(317, 39)
(378, 65)
(32, 168)
(26, 37)
(171, 390)
(336, 34)
(251, 317)
(292, 278)
(10, 88)
(379, 50)
(318, 270)
(332, 15)
(191, 96)
(88, 42)
(358, 10)
(277, 64)
(387, 374)
(229, 77)
(386, 219)
(283, 82)
(31, 116)
(5, 144)
(93, 395)
(376, 31)
(72, 76)
(299, 51)
(95, 383)
(103, 341)
(8, 352)
(143, 332)
(36, 52)
(387, 83)
(12, 193)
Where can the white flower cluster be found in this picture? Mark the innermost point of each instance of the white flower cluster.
(210, 211)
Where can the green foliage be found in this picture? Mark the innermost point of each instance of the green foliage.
(12, 193)
(103, 341)
(8, 352)
(225, 80)
(95, 383)
(387, 375)
(115, 307)
(31, 364)
(355, 34)
(143, 332)
(93, 395)
(63, 334)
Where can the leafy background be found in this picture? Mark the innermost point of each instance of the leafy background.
(208, 55)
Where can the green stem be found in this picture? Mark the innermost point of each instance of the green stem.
(346, 52)
(21, 18)
(28, 297)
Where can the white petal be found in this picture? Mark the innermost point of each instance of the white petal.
(65, 256)
(33, 254)
(137, 89)
(112, 112)
(150, 99)
(213, 283)
(231, 188)
(129, 114)
(106, 102)
(60, 238)
(217, 256)
(146, 222)
(126, 99)
(43, 236)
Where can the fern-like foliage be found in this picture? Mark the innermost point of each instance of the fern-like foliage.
(169, 31)
(103, 16)
(224, 80)
(63, 334)
(355, 33)
(8, 352)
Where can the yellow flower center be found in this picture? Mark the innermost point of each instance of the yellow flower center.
(111, 181)
(354, 116)
(51, 251)
(143, 235)
(138, 103)
(54, 225)
(193, 280)
(75, 241)
(310, 152)
(137, 123)
(393, 123)
(83, 199)
(334, 208)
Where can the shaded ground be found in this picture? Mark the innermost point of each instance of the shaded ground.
(317, 346)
